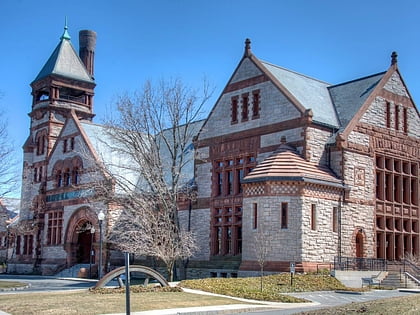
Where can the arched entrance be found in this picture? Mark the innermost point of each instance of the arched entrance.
(85, 243)
(81, 234)
(359, 245)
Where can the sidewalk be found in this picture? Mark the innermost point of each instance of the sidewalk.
(251, 305)
(324, 299)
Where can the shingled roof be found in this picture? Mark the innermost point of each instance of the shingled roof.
(349, 97)
(286, 164)
(311, 93)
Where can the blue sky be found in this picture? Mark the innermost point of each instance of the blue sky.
(335, 41)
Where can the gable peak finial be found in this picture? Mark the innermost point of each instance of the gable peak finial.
(247, 47)
(394, 56)
(66, 34)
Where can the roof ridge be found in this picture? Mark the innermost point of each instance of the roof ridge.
(294, 72)
(355, 80)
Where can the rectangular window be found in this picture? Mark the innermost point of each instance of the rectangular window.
(228, 241)
(238, 237)
(219, 182)
(335, 219)
(255, 104)
(405, 117)
(64, 145)
(397, 117)
(55, 225)
(254, 216)
(245, 106)
(72, 144)
(28, 244)
(40, 174)
(388, 115)
(18, 240)
(229, 182)
(239, 176)
(313, 217)
(35, 174)
(25, 244)
(31, 245)
(234, 101)
(284, 215)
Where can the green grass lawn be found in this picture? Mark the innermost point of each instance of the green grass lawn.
(272, 286)
(89, 303)
(105, 301)
(407, 305)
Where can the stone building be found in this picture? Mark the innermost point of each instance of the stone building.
(305, 169)
(58, 226)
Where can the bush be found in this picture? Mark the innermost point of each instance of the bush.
(135, 289)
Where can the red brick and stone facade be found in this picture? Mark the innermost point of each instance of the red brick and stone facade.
(318, 170)
(364, 134)
(56, 218)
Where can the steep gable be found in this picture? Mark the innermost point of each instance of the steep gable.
(385, 92)
(348, 97)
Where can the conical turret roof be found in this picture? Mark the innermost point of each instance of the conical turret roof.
(287, 165)
(64, 61)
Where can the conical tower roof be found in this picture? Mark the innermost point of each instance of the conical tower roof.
(65, 62)
(287, 165)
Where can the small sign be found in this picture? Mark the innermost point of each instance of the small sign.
(292, 267)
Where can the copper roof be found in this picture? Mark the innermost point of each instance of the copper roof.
(286, 164)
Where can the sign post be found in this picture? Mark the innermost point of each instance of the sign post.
(127, 283)
(292, 272)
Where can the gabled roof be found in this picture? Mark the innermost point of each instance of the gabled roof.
(110, 152)
(287, 165)
(349, 97)
(310, 92)
(120, 162)
(64, 61)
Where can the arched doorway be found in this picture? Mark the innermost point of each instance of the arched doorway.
(81, 232)
(359, 245)
(85, 242)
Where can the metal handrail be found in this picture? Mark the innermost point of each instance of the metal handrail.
(358, 263)
(412, 266)
(407, 274)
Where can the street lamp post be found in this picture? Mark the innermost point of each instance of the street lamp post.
(92, 232)
(101, 217)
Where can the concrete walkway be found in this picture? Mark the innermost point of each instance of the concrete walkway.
(321, 299)
(247, 306)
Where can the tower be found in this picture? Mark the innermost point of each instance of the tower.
(64, 85)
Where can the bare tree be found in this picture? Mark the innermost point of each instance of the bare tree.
(8, 170)
(152, 134)
(261, 248)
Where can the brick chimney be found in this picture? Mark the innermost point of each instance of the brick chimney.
(87, 43)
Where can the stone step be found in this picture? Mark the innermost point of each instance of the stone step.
(395, 280)
(75, 271)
